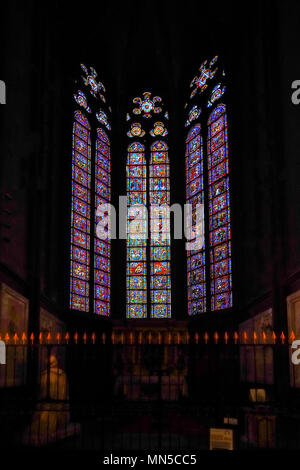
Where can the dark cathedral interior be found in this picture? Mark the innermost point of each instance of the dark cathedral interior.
(130, 345)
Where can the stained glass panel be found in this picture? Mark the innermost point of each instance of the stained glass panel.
(219, 210)
(136, 232)
(195, 195)
(102, 246)
(80, 214)
(160, 270)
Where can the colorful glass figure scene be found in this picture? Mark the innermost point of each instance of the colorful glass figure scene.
(148, 254)
(207, 182)
(136, 130)
(148, 247)
(207, 72)
(84, 224)
(194, 113)
(146, 105)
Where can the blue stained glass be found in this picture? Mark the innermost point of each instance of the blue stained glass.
(103, 161)
(196, 291)
(81, 177)
(222, 301)
(137, 254)
(137, 185)
(137, 296)
(102, 263)
(80, 192)
(217, 157)
(159, 170)
(80, 207)
(197, 307)
(159, 157)
(159, 145)
(80, 214)
(160, 267)
(79, 303)
(80, 222)
(194, 145)
(102, 136)
(80, 117)
(82, 162)
(218, 220)
(221, 252)
(219, 188)
(218, 111)
(195, 157)
(102, 189)
(221, 268)
(102, 247)
(101, 308)
(159, 184)
(135, 268)
(136, 311)
(161, 296)
(159, 197)
(79, 270)
(81, 131)
(135, 147)
(222, 284)
(80, 238)
(217, 141)
(160, 254)
(217, 126)
(80, 287)
(137, 282)
(160, 282)
(218, 172)
(136, 159)
(102, 148)
(102, 278)
(79, 255)
(81, 147)
(101, 292)
(193, 132)
(161, 311)
(136, 171)
(103, 175)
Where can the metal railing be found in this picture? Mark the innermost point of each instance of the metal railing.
(149, 390)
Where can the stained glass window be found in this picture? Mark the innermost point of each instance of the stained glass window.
(195, 195)
(148, 247)
(137, 232)
(90, 253)
(80, 214)
(219, 210)
(160, 243)
(207, 183)
(102, 245)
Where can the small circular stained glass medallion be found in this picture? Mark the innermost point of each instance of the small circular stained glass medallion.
(147, 106)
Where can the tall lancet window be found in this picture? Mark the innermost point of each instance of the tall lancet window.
(90, 254)
(195, 195)
(148, 197)
(207, 183)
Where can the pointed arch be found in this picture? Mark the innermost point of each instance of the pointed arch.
(136, 232)
(90, 255)
(196, 281)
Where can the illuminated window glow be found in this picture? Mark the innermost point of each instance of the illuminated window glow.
(195, 195)
(80, 214)
(219, 210)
